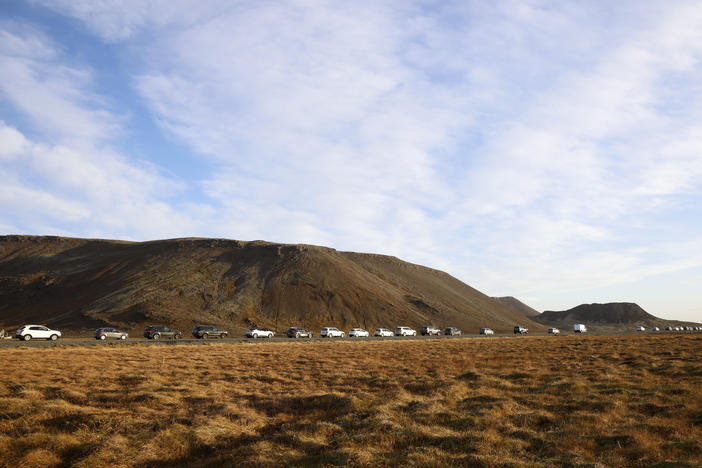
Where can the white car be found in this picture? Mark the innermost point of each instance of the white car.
(259, 333)
(656, 329)
(554, 331)
(640, 328)
(486, 331)
(27, 332)
(405, 331)
(331, 332)
(382, 332)
(358, 332)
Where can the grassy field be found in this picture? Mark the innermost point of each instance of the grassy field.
(526, 401)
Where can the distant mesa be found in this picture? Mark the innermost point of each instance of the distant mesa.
(613, 314)
(80, 284)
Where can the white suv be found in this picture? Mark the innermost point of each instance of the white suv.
(358, 332)
(382, 332)
(405, 331)
(27, 332)
(331, 332)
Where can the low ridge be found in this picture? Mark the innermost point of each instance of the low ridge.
(613, 314)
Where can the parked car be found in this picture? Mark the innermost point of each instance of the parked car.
(486, 331)
(405, 331)
(554, 331)
(259, 333)
(640, 328)
(430, 330)
(358, 332)
(579, 328)
(27, 332)
(452, 331)
(668, 328)
(104, 333)
(209, 331)
(382, 332)
(656, 329)
(518, 330)
(331, 332)
(156, 332)
(298, 332)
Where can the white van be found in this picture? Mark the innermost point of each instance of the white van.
(579, 328)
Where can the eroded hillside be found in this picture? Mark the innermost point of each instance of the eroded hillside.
(79, 284)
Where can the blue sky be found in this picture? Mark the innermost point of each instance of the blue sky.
(543, 149)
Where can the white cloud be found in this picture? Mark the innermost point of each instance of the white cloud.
(12, 142)
(54, 95)
(68, 179)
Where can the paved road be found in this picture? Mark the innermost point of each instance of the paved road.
(86, 341)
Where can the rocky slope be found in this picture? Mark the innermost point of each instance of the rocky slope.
(80, 284)
(517, 306)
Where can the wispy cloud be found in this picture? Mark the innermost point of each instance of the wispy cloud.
(56, 96)
(70, 180)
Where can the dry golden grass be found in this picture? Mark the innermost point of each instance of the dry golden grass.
(527, 401)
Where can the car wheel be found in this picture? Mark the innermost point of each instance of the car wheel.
(102, 337)
(297, 335)
(343, 334)
(53, 337)
(27, 337)
(177, 337)
(156, 336)
(270, 335)
(204, 336)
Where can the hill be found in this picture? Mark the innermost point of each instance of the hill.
(517, 306)
(80, 284)
(613, 314)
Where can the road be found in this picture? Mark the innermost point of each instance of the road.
(89, 341)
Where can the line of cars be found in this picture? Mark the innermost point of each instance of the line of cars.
(157, 332)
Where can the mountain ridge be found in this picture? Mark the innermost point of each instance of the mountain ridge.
(80, 284)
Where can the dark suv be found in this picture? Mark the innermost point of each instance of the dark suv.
(209, 331)
(156, 332)
(298, 332)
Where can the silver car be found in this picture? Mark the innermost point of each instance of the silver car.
(104, 333)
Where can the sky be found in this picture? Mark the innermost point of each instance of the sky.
(547, 150)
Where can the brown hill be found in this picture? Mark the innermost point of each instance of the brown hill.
(80, 284)
(517, 306)
(613, 314)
